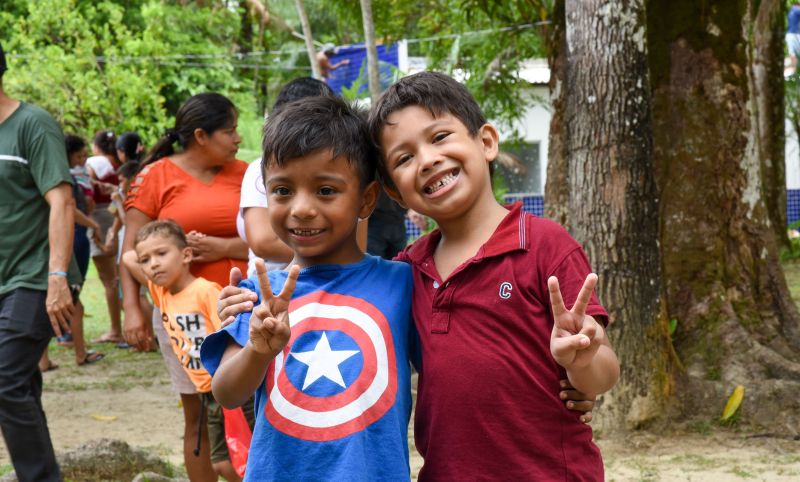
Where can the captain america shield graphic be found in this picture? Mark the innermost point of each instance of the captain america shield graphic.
(337, 374)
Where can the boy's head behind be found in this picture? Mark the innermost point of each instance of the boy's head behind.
(433, 121)
(319, 171)
(163, 252)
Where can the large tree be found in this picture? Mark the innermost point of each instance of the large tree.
(613, 203)
(716, 102)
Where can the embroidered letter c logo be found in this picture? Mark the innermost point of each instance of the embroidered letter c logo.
(505, 290)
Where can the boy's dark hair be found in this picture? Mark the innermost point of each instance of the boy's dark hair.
(163, 227)
(301, 88)
(434, 91)
(73, 144)
(313, 123)
(128, 170)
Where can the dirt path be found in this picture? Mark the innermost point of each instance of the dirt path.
(127, 397)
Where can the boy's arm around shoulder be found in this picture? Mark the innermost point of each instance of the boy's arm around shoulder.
(243, 367)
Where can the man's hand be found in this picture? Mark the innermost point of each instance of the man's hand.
(576, 336)
(269, 323)
(576, 400)
(234, 300)
(59, 304)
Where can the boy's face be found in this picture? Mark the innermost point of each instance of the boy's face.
(124, 184)
(314, 206)
(78, 158)
(439, 169)
(162, 261)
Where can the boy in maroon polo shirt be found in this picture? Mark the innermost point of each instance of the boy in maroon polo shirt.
(495, 334)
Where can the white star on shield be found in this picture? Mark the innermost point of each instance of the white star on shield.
(323, 362)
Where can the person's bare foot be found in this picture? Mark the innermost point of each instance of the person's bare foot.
(109, 338)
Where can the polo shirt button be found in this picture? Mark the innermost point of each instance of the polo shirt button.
(435, 284)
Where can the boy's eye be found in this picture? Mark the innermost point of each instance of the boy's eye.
(402, 160)
(281, 191)
(440, 136)
(327, 191)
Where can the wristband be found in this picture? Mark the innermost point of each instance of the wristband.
(57, 273)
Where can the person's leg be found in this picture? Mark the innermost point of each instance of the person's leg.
(107, 270)
(220, 456)
(25, 332)
(198, 467)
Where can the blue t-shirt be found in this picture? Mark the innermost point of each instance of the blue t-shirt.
(794, 19)
(336, 402)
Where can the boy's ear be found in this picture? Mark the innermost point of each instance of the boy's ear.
(490, 139)
(369, 199)
(186, 255)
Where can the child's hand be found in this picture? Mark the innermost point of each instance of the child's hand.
(576, 400)
(234, 300)
(269, 323)
(576, 336)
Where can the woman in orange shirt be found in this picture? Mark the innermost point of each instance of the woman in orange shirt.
(198, 187)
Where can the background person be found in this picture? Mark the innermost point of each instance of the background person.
(198, 187)
(36, 219)
(102, 170)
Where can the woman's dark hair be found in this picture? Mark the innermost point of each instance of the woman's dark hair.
(128, 170)
(313, 123)
(129, 143)
(208, 111)
(106, 141)
(73, 144)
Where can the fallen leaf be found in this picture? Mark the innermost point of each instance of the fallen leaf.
(733, 403)
(104, 418)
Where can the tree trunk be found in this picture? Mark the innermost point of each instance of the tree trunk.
(372, 51)
(556, 189)
(613, 202)
(312, 54)
(718, 134)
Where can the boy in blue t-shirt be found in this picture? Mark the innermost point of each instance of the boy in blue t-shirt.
(326, 349)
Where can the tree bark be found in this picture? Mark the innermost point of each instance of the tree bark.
(312, 54)
(718, 154)
(613, 202)
(372, 51)
(556, 189)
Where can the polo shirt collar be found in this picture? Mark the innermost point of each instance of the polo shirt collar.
(510, 235)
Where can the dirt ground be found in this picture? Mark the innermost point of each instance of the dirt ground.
(127, 396)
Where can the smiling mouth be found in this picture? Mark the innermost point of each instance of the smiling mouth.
(305, 232)
(441, 182)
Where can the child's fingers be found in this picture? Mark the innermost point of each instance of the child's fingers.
(589, 327)
(563, 346)
(291, 283)
(263, 282)
(579, 308)
(235, 276)
(556, 301)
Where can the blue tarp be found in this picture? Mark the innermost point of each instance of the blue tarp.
(346, 75)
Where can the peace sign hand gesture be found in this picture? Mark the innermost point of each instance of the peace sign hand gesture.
(269, 323)
(576, 336)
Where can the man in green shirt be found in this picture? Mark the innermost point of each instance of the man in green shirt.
(36, 233)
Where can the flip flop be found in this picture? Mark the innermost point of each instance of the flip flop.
(50, 367)
(91, 357)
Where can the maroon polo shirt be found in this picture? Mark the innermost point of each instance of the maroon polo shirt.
(487, 403)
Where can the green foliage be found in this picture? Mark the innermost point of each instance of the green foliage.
(129, 64)
(673, 325)
(97, 65)
(793, 251)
